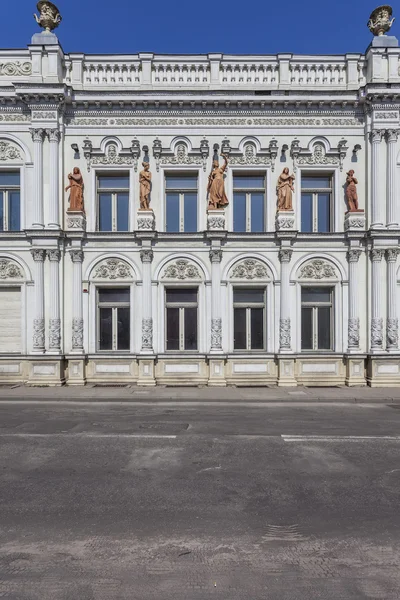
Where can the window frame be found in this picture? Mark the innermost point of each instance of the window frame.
(114, 204)
(181, 306)
(248, 317)
(186, 175)
(314, 191)
(114, 326)
(5, 190)
(314, 321)
(248, 193)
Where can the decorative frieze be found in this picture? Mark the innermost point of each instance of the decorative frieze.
(77, 333)
(181, 269)
(9, 269)
(250, 269)
(284, 334)
(54, 334)
(38, 334)
(320, 156)
(318, 269)
(15, 69)
(216, 334)
(147, 334)
(113, 268)
(392, 333)
(354, 332)
(182, 157)
(376, 332)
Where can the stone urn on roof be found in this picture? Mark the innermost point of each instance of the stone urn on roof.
(49, 17)
(380, 20)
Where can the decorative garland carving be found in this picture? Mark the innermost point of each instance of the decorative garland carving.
(182, 269)
(38, 334)
(147, 334)
(392, 333)
(181, 157)
(250, 269)
(317, 269)
(77, 333)
(17, 68)
(376, 332)
(250, 157)
(216, 334)
(9, 151)
(284, 334)
(10, 269)
(54, 333)
(113, 268)
(354, 332)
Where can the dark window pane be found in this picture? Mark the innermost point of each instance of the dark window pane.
(181, 183)
(172, 213)
(1, 211)
(190, 328)
(306, 329)
(190, 212)
(114, 182)
(239, 212)
(324, 328)
(248, 295)
(257, 212)
(8, 179)
(324, 217)
(123, 328)
(306, 212)
(122, 212)
(316, 294)
(14, 211)
(105, 328)
(181, 295)
(315, 182)
(245, 182)
(257, 328)
(239, 329)
(172, 328)
(114, 295)
(105, 212)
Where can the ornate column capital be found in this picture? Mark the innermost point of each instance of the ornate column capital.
(376, 135)
(215, 255)
(146, 255)
(285, 255)
(377, 254)
(76, 255)
(54, 255)
(392, 135)
(37, 135)
(38, 254)
(392, 254)
(54, 135)
(353, 255)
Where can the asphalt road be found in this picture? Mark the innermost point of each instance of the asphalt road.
(280, 502)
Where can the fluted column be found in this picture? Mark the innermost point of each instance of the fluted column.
(376, 300)
(392, 322)
(391, 137)
(216, 319)
(38, 322)
(54, 218)
(77, 301)
(146, 255)
(354, 321)
(37, 137)
(54, 302)
(377, 205)
(285, 336)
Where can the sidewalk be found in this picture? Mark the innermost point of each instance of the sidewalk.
(203, 394)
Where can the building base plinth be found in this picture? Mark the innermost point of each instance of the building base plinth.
(181, 371)
(112, 370)
(320, 371)
(251, 371)
(216, 372)
(286, 370)
(76, 371)
(355, 370)
(46, 372)
(146, 372)
(383, 371)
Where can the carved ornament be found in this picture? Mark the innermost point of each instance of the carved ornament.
(13, 69)
(113, 268)
(182, 269)
(284, 334)
(38, 334)
(49, 17)
(319, 156)
(147, 334)
(354, 333)
(182, 157)
(317, 269)
(250, 157)
(380, 20)
(9, 151)
(250, 269)
(392, 333)
(216, 334)
(10, 269)
(376, 332)
(54, 334)
(77, 333)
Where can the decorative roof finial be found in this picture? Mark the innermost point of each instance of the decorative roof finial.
(380, 20)
(49, 17)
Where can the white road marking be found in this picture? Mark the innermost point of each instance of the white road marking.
(339, 438)
(91, 435)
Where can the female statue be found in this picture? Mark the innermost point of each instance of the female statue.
(76, 193)
(216, 186)
(145, 187)
(351, 191)
(284, 190)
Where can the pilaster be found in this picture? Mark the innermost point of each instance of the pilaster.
(146, 256)
(376, 301)
(377, 204)
(77, 255)
(54, 302)
(38, 218)
(392, 217)
(54, 205)
(392, 321)
(38, 255)
(353, 256)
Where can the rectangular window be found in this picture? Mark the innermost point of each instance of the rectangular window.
(181, 203)
(181, 318)
(249, 319)
(113, 318)
(113, 202)
(248, 203)
(10, 201)
(316, 203)
(316, 318)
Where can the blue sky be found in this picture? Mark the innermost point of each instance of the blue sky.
(232, 27)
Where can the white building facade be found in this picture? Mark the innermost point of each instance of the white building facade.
(182, 295)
